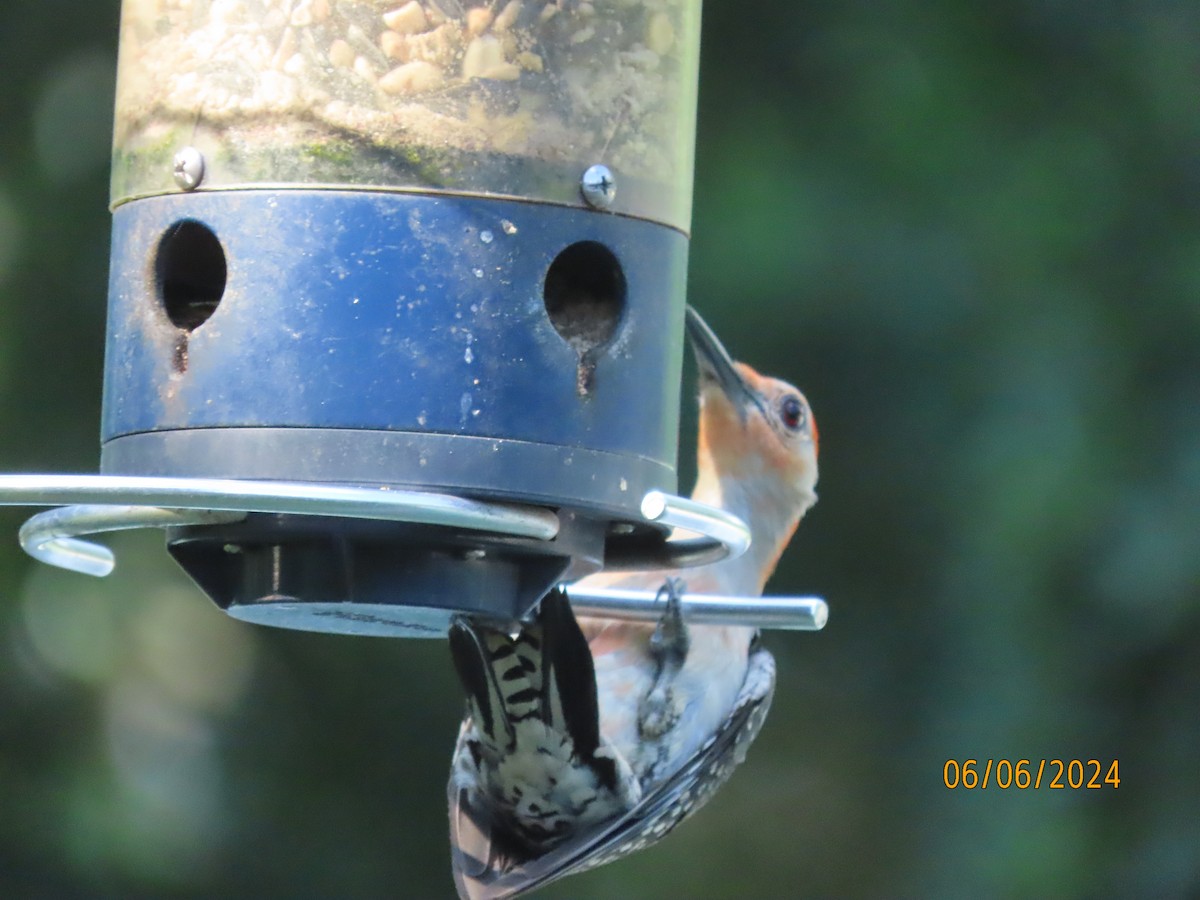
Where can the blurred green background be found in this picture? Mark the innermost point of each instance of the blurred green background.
(971, 232)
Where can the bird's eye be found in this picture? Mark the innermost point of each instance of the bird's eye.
(791, 410)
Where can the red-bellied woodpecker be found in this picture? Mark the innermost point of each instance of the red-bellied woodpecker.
(585, 741)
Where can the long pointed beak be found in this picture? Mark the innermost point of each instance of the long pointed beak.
(715, 363)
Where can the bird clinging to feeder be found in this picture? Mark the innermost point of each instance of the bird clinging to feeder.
(387, 289)
(583, 744)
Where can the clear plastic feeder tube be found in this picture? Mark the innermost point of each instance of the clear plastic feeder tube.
(511, 98)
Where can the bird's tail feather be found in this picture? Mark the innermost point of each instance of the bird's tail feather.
(545, 671)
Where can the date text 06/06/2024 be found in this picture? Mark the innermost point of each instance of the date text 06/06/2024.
(1024, 774)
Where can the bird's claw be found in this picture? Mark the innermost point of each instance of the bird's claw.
(670, 641)
(669, 646)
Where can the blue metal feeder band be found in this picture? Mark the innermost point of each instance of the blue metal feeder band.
(395, 338)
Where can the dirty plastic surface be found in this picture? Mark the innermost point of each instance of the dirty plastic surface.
(509, 98)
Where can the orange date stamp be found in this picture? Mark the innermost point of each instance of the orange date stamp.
(1025, 774)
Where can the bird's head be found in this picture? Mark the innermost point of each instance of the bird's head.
(755, 431)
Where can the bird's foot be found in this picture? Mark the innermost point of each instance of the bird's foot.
(670, 641)
(669, 645)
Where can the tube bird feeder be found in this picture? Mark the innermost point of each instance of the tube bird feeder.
(395, 305)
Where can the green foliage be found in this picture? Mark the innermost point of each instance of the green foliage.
(970, 234)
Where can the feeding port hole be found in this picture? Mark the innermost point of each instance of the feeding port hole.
(189, 273)
(584, 293)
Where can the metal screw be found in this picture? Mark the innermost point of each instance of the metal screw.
(189, 168)
(598, 186)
